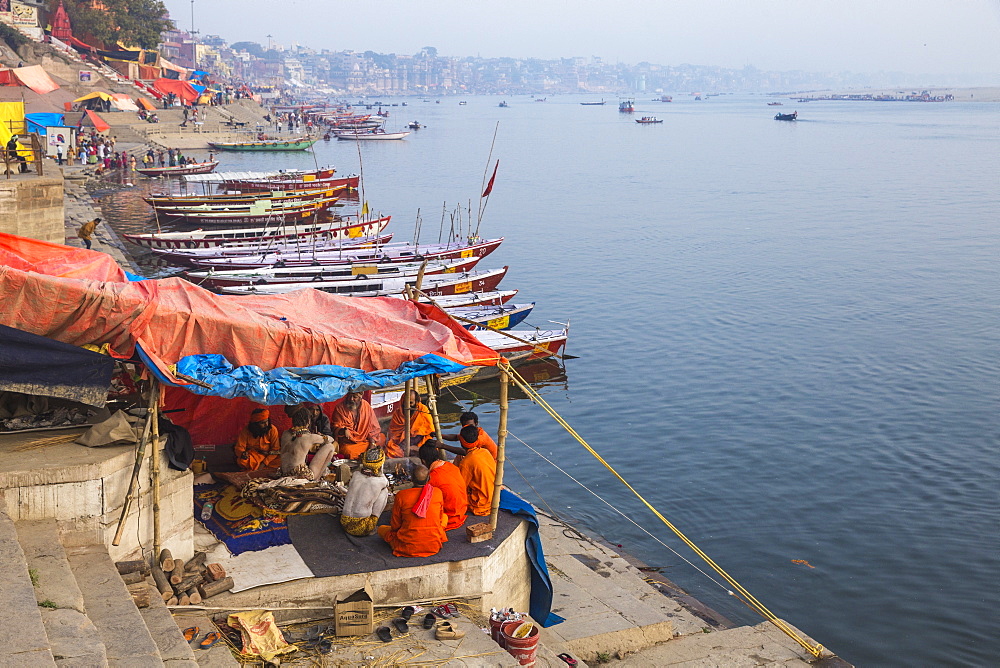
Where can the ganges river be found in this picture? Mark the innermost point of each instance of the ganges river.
(785, 337)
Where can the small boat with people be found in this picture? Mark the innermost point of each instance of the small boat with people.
(264, 144)
(626, 106)
(786, 117)
(646, 120)
(415, 125)
(180, 170)
(503, 104)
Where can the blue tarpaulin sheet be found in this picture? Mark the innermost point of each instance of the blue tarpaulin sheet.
(34, 364)
(540, 602)
(290, 385)
(39, 121)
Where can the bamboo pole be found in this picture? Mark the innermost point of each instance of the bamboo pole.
(140, 455)
(154, 466)
(501, 444)
(407, 413)
(433, 405)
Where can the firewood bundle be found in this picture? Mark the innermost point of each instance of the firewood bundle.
(188, 583)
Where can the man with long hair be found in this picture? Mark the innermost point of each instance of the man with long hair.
(258, 445)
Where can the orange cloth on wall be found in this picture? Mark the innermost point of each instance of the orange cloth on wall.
(446, 477)
(359, 429)
(479, 470)
(258, 452)
(421, 428)
(412, 536)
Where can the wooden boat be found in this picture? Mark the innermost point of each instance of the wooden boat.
(648, 120)
(626, 106)
(261, 213)
(370, 135)
(403, 252)
(330, 272)
(289, 249)
(415, 125)
(786, 117)
(503, 104)
(503, 316)
(180, 170)
(593, 104)
(339, 228)
(538, 343)
(493, 298)
(442, 284)
(775, 104)
(157, 200)
(264, 145)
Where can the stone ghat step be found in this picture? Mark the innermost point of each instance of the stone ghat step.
(174, 650)
(73, 638)
(25, 641)
(121, 628)
(607, 604)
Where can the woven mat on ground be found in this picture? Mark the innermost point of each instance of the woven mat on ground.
(239, 478)
(239, 524)
(328, 551)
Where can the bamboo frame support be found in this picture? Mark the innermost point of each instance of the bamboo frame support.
(433, 405)
(140, 455)
(407, 419)
(154, 466)
(501, 444)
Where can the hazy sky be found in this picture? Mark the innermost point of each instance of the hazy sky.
(915, 36)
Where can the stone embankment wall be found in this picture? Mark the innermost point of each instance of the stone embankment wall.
(32, 206)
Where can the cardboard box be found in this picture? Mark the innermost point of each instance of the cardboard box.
(354, 613)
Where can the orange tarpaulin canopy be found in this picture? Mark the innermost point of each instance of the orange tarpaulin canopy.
(182, 89)
(96, 121)
(84, 300)
(32, 76)
(146, 104)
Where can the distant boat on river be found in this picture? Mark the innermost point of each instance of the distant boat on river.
(593, 104)
(786, 117)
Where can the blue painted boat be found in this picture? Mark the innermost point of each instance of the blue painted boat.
(502, 316)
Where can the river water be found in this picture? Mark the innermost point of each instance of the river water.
(786, 336)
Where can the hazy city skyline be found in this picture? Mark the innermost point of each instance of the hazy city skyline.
(919, 37)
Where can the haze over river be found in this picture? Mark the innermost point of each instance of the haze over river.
(787, 336)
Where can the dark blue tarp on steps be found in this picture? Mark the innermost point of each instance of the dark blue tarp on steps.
(540, 606)
(34, 364)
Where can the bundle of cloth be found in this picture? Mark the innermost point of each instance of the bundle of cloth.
(294, 495)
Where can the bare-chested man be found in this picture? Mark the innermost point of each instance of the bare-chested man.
(297, 442)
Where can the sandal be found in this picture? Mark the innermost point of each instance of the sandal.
(447, 631)
(452, 609)
(191, 632)
(429, 620)
(401, 625)
(383, 633)
(325, 646)
(407, 612)
(570, 661)
(209, 640)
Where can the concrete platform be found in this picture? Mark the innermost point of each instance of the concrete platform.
(45, 476)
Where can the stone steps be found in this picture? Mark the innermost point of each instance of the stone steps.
(109, 605)
(20, 617)
(73, 638)
(608, 606)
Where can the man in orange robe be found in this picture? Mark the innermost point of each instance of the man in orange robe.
(258, 445)
(483, 439)
(421, 426)
(355, 426)
(479, 470)
(446, 477)
(418, 519)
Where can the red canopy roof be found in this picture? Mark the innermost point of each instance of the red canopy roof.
(97, 121)
(182, 89)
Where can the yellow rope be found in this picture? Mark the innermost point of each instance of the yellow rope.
(744, 595)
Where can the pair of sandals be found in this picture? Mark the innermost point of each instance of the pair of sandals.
(210, 639)
(385, 634)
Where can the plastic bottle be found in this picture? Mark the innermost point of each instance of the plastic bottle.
(206, 511)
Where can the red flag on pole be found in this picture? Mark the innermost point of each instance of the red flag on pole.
(489, 186)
